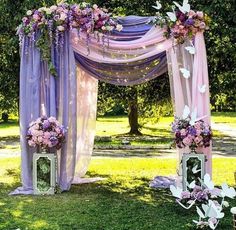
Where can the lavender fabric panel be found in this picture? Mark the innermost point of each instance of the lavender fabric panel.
(134, 26)
(66, 92)
(130, 74)
(37, 97)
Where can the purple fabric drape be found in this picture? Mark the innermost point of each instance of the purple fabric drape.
(132, 56)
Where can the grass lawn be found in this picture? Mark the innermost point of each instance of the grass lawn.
(123, 201)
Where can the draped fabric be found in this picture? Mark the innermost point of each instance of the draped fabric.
(185, 91)
(135, 55)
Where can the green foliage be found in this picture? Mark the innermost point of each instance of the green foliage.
(43, 174)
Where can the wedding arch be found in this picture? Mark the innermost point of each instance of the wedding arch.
(125, 51)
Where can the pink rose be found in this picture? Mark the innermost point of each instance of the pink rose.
(36, 17)
(191, 13)
(187, 141)
(57, 130)
(40, 139)
(198, 132)
(47, 135)
(198, 139)
(183, 132)
(200, 14)
(202, 25)
(31, 143)
(51, 119)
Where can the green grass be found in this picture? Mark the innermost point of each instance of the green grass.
(224, 117)
(9, 129)
(123, 201)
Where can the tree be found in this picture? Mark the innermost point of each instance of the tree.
(11, 13)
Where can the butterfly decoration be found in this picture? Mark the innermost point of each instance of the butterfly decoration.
(191, 49)
(210, 210)
(176, 191)
(191, 185)
(202, 88)
(158, 6)
(208, 182)
(195, 170)
(187, 113)
(228, 191)
(185, 72)
(172, 15)
(185, 8)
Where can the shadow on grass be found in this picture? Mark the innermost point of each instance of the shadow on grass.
(110, 204)
(118, 203)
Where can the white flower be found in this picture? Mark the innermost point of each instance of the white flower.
(42, 9)
(95, 6)
(48, 11)
(119, 27)
(84, 4)
(233, 210)
(29, 12)
(63, 16)
(103, 28)
(53, 8)
(109, 28)
(225, 204)
(61, 28)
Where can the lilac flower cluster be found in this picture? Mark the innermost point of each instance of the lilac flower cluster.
(199, 195)
(183, 25)
(62, 17)
(186, 135)
(46, 133)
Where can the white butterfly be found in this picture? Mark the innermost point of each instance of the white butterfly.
(214, 211)
(158, 6)
(210, 210)
(185, 72)
(185, 207)
(185, 8)
(186, 112)
(172, 15)
(228, 191)
(195, 170)
(202, 89)
(208, 182)
(192, 184)
(176, 191)
(191, 49)
(193, 117)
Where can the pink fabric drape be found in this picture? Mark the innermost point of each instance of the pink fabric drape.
(187, 91)
(201, 101)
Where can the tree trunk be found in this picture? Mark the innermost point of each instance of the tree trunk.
(5, 117)
(133, 114)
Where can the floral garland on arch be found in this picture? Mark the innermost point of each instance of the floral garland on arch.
(53, 21)
(181, 23)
